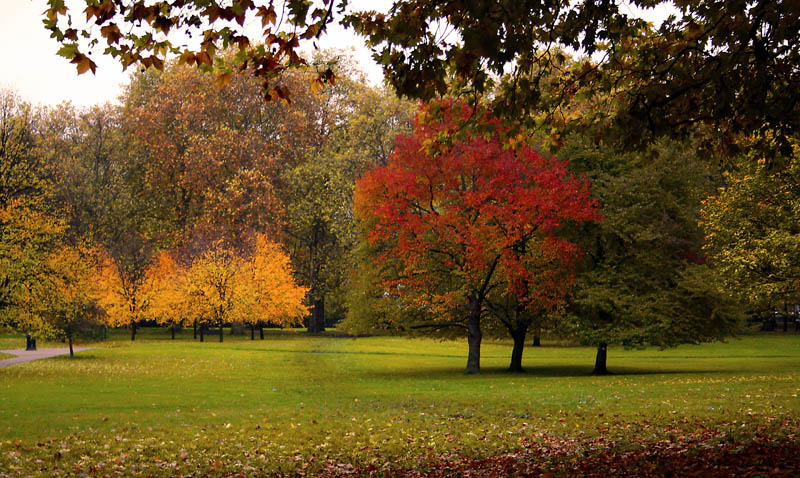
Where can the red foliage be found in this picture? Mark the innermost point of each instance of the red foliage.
(462, 217)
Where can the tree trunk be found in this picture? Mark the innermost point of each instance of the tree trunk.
(317, 321)
(261, 330)
(252, 332)
(785, 317)
(71, 352)
(194, 326)
(172, 329)
(220, 331)
(474, 337)
(600, 361)
(133, 331)
(201, 333)
(519, 345)
(536, 340)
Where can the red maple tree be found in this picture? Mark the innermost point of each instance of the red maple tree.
(456, 218)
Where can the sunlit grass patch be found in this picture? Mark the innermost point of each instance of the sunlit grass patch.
(291, 397)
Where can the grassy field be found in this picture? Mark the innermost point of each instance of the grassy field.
(293, 402)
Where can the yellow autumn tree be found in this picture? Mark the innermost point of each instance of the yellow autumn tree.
(216, 289)
(273, 292)
(123, 289)
(169, 302)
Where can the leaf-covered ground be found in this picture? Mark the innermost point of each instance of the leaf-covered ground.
(294, 405)
(762, 446)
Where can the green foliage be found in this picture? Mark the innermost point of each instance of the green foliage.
(29, 232)
(715, 69)
(25, 177)
(59, 304)
(752, 228)
(26, 239)
(644, 279)
(358, 130)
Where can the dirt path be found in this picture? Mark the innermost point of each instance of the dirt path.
(23, 355)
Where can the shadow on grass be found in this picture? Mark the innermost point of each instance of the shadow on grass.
(79, 356)
(548, 371)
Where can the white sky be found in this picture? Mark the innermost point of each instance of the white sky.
(29, 64)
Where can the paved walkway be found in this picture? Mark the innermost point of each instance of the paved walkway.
(23, 355)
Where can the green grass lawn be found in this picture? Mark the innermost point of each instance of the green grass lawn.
(292, 395)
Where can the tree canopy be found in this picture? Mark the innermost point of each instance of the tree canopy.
(457, 219)
(728, 67)
(752, 228)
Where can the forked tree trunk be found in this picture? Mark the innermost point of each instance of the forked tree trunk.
(600, 361)
(474, 337)
(518, 335)
(71, 352)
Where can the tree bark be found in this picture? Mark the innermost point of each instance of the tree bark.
(71, 352)
(252, 332)
(201, 333)
(172, 329)
(220, 331)
(474, 337)
(317, 321)
(785, 317)
(536, 340)
(600, 361)
(194, 326)
(519, 346)
(261, 330)
(133, 331)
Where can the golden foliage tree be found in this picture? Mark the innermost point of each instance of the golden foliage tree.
(215, 290)
(123, 290)
(169, 304)
(275, 296)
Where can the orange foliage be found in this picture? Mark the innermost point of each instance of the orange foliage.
(124, 297)
(276, 297)
(169, 302)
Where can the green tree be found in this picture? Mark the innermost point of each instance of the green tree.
(28, 231)
(644, 280)
(752, 228)
(362, 123)
(25, 176)
(60, 305)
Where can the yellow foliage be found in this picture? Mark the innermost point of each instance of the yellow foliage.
(169, 303)
(125, 298)
(215, 291)
(276, 297)
(222, 286)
